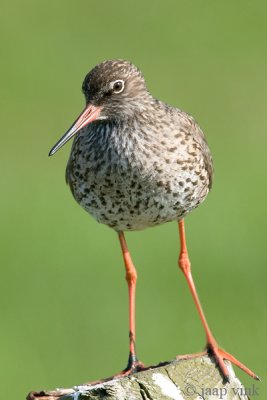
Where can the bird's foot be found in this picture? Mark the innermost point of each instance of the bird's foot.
(133, 366)
(189, 356)
(219, 355)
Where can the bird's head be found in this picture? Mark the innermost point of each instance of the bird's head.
(113, 90)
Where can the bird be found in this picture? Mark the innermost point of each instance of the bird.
(137, 162)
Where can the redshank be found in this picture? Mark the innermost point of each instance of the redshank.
(137, 162)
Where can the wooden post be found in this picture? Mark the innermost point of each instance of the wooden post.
(183, 379)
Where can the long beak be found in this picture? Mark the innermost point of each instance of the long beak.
(89, 114)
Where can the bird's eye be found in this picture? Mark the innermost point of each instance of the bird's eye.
(117, 86)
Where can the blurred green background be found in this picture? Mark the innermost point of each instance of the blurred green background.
(63, 297)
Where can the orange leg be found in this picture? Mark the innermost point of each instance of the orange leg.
(212, 346)
(131, 277)
(134, 364)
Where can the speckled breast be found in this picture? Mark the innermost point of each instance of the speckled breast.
(127, 185)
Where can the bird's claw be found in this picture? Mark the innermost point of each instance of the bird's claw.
(220, 355)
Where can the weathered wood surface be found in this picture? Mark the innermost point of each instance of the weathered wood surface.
(184, 379)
